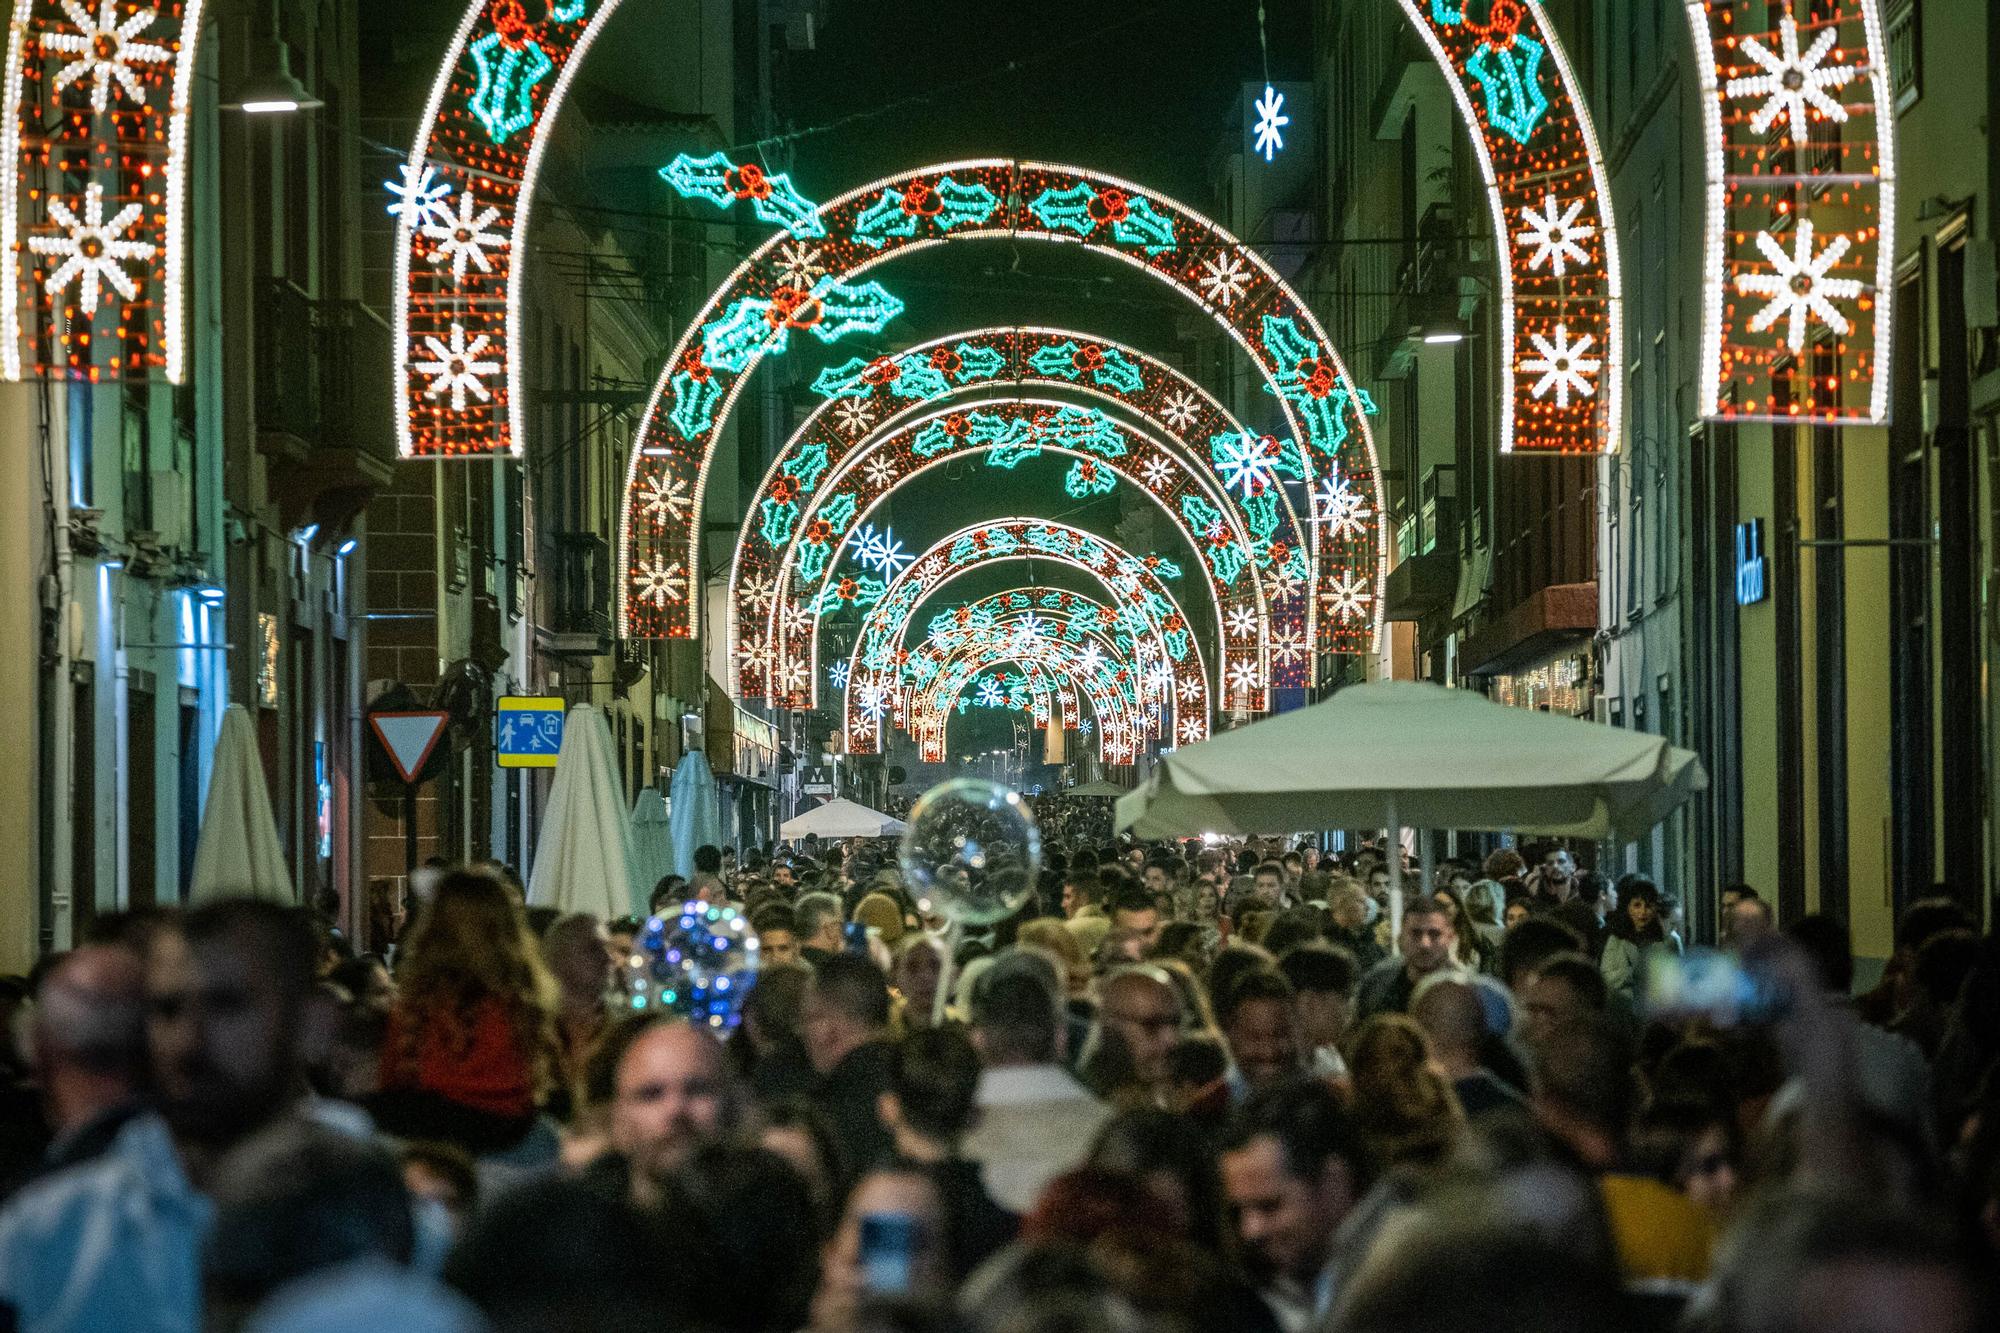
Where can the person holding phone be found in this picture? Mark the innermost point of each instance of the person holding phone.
(889, 1246)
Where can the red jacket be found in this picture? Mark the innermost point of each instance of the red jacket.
(479, 1064)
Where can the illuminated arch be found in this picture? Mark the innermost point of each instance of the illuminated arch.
(821, 525)
(96, 165)
(1100, 631)
(1119, 724)
(1562, 375)
(1145, 619)
(866, 399)
(1137, 586)
(472, 169)
(1020, 616)
(781, 283)
(1799, 226)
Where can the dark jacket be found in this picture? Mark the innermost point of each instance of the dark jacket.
(848, 1094)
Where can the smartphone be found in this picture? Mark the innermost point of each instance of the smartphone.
(1703, 983)
(890, 1246)
(854, 939)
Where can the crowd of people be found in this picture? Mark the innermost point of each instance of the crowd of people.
(1184, 1087)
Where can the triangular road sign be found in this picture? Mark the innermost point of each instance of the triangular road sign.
(409, 738)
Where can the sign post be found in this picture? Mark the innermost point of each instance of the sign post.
(409, 739)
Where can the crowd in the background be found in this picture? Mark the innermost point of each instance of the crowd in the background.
(1184, 1087)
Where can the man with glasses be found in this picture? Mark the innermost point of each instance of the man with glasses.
(1140, 1007)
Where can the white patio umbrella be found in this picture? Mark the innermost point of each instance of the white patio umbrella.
(1402, 754)
(695, 813)
(583, 854)
(841, 819)
(652, 841)
(238, 854)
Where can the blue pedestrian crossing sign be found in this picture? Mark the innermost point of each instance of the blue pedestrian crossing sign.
(528, 731)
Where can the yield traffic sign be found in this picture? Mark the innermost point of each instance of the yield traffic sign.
(409, 738)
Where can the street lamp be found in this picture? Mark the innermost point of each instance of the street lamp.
(270, 88)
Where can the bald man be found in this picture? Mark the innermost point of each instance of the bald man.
(88, 1044)
(1453, 1016)
(673, 1092)
(1142, 1008)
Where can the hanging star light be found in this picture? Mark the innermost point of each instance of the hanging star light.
(420, 196)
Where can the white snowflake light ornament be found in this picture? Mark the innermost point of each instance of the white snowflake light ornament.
(664, 497)
(1793, 83)
(1223, 278)
(106, 52)
(1180, 408)
(1555, 237)
(1800, 289)
(464, 239)
(93, 248)
(661, 583)
(1563, 365)
(456, 367)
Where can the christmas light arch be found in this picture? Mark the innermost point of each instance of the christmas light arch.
(1019, 617)
(1108, 680)
(462, 216)
(1006, 432)
(1146, 620)
(1045, 701)
(866, 398)
(1561, 314)
(782, 282)
(1136, 585)
(1798, 252)
(1118, 724)
(93, 222)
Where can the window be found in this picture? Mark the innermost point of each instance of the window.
(1905, 55)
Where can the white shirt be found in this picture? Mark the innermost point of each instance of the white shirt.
(1035, 1122)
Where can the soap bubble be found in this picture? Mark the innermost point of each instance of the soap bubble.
(972, 852)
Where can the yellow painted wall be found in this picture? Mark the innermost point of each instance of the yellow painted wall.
(1864, 454)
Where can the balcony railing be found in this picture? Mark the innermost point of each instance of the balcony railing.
(323, 372)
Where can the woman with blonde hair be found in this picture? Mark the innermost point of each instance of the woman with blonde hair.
(468, 1052)
(1403, 1104)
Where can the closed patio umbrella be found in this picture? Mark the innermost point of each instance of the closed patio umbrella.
(238, 854)
(583, 855)
(695, 813)
(652, 842)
